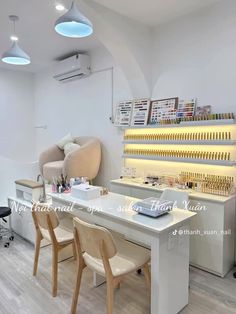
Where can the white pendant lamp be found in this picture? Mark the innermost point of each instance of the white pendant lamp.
(15, 55)
(73, 24)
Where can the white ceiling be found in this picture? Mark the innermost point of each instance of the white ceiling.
(36, 32)
(154, 12)
(44, 45)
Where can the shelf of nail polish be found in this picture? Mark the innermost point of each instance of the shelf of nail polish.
(215, 158)
(188, 123)
(211, 184)
(184, 160)
(229, 142)
(180, 154)
(210, 117)
(181, 136)
(203, 138)
(199, 118)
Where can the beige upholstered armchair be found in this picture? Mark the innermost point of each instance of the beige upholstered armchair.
(82, 162)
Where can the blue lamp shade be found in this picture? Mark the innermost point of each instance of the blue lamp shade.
(15, 55)
(73, 24)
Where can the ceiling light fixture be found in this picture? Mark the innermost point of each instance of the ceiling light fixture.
(73, 24)
(60, 7)
(14, 38)
(15, 55)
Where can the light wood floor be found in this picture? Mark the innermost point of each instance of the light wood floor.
(21, 293)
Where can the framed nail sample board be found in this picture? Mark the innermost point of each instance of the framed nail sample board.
(123, 113)
(140, 112)
(163, 109)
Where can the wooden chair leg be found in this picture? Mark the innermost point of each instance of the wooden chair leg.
(147, 276)
(54, 270)
(116, 283)
(74, 250)
(36, 254)
(110, 296)
(77, 289)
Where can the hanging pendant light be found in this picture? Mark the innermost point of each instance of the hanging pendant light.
(73, 24)
(15, 55)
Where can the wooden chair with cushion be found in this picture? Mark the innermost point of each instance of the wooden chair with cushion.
(48, 227)
(97, 249)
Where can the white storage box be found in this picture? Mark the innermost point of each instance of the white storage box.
(85, 192)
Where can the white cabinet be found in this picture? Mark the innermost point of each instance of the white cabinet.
(212, 239)
(21, 218)
(212, 245)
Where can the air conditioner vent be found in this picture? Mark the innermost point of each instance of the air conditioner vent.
(75, 67)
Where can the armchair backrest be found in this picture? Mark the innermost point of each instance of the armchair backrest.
(85, 140)
(85, 161)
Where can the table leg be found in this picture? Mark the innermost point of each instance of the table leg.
(170, 271)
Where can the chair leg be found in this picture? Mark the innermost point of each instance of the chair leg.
(147, 276)
(54, 270)
(77, 289)
(74, 250)
(110, 296)
(36, 254)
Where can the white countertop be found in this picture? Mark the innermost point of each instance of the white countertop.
(160, 188)
(119, 207)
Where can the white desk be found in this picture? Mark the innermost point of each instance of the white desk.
(213, 253)
(169, 253)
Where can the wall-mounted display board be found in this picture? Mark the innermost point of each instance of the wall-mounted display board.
(123, 113)
(163, 109)
(186, 108)
(140, 112)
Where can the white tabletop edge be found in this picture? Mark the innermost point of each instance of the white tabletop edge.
(111, 206)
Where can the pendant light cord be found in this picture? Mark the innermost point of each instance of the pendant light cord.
(14, 27)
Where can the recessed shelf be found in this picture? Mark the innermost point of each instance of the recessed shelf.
(205, 142)
(185, 124)
(227, 163)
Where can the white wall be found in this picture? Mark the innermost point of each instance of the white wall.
(17, 133)
(83, 107)
(127, 40)
(194, 56)
(16, 118)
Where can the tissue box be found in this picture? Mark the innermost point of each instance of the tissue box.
(85, 192)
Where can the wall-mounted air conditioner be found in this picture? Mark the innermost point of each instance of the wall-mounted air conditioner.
(75, 67)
